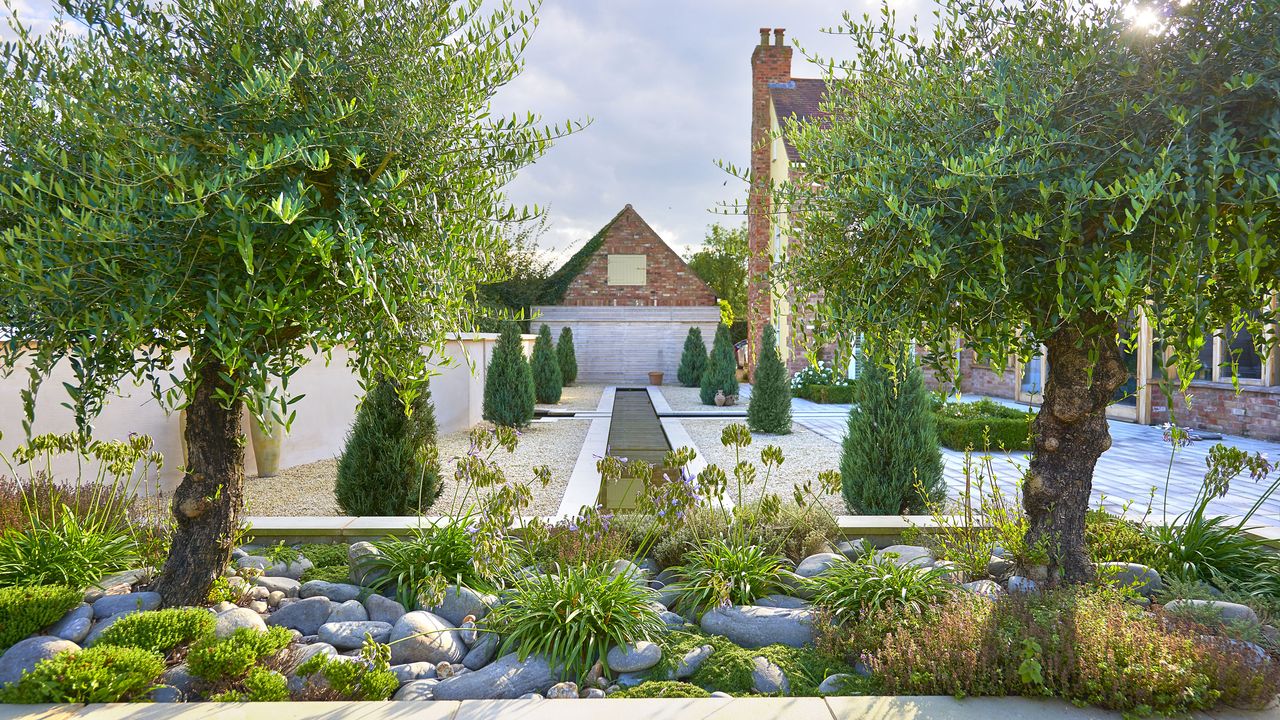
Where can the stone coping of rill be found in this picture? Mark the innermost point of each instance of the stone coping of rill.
(329, 529)
(756, 708)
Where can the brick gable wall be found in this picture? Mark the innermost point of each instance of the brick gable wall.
(669, 281)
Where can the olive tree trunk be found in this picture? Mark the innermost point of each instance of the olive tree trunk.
(1070, 434)
(207, 503)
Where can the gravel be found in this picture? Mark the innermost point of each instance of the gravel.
(578, 398)
(308, 489)
(685, 398)
(804, 452)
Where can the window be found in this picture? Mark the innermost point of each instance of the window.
(1226, 351)
(627, 270)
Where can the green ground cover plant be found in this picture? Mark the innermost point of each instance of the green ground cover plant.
(369, 679)
(105, 674)
(160, 631)
(260, 685)
(662, 689)
(220, 662)
(27, 609)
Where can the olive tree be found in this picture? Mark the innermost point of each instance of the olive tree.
(213, 191)
(1040, 173)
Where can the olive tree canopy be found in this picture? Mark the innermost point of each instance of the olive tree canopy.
(1041, 172)
(226, 185)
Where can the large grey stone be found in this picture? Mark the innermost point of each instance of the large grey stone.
(417, 690)
(815, 565)
(634, 658)
(984, 588)
(120, 583)
(672, 620)
(460, 602)
(630, 569)
(797, 586)
(1226, 611)
(236, 619)
(383, 609)
(303, 653)
(482, 652)
(693, 660)
(101, 625)
(854, 549)
(306, 616)
(563, 691)
(350, 635)
(998, 567)
(1146, 581)
(1022, 585)
(24, 655)
(337, 592)
(752, 626)
(349, 611)
(782, 601)
(109, 605)
(288, 586)
(177, 685)
(74, 626)
(768, 679)
(903, 555)
(835, 684)
(414, 671)
(292, 570)
(421, 636)
(505, 678)
(359, 556)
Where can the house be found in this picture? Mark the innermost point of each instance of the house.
(630, 301)
(1212, 403)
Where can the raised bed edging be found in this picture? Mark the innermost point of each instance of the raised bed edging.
(883, 530)
(757, 708)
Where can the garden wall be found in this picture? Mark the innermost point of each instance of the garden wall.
(324, 415)
(623, 344)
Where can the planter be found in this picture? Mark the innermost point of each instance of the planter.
(655, 378)
(268, 440)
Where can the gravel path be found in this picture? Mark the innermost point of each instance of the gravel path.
(577, 397)
(308, 489)
(683, 398)
(804, 452)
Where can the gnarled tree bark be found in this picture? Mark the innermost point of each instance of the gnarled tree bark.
(1070, 434)
(207, 503)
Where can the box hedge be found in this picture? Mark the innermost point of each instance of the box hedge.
(826, 393)
(983, 425)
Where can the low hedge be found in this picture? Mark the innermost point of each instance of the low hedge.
(826, 393)
(982, 425)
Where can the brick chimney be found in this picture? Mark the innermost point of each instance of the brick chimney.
(770, 63)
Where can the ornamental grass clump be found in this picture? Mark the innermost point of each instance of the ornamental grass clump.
(390, 464)
(548, 381)
(872, 585)
(572, 616)
(693, 360)
(422, 565)
(721, 571)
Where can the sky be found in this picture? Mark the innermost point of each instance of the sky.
(666, 86)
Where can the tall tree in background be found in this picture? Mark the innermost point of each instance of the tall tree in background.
(722, 264)
(222, 187)
(1038, 173)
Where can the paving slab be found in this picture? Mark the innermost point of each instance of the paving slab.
(648, 709)
(949, 708)
(39, 712)
(435, 710)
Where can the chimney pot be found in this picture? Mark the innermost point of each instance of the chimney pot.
(777, 36)
(764, 36)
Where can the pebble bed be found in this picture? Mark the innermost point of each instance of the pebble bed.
(804, 452)
(307, 490)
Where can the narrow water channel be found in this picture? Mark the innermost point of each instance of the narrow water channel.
(635, 433)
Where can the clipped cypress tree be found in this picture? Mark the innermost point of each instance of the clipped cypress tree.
(547, 381)
(508, 385)
(390, 465)
(891, 464)
(770, 407)
(721, 372)
(693, 362)
(568, 358)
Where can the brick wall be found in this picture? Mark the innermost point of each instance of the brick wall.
(1253, 412)
(769, 63)
(668, 282)
(978, 379)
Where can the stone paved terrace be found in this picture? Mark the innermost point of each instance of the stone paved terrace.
(1139, 460)
(754, 708)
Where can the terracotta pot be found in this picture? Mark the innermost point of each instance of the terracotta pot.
(655, 378)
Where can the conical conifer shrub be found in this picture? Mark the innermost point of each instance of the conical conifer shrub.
(568, 358)
(547, 382)
(770, 407)
(721, 374)
(508, 384)
(390, 465)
